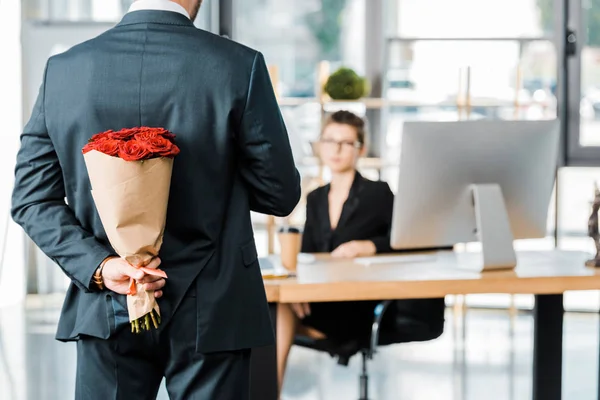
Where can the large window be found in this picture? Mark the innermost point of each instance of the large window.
(76, 10)
(469, 18)
(295, 36)
(583, 82)
(94, 11)
(586, 21)
(463, 59)
(471, 60)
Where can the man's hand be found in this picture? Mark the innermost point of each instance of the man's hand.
(117, 273)
(355, 248)
(301, 310)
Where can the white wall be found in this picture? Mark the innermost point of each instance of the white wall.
(41, 40)
(12, 276)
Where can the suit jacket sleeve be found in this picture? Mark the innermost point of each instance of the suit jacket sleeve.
(38, 204)
(386, 205)
(268, 167)
(308, 236)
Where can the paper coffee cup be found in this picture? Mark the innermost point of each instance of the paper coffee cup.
(290, 241)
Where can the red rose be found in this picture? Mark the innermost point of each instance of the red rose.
(161, 146)
(109, 147)
(133, 150)
(134, 144)
(174, 151)
(146, 132)
(124, 134)
(145, 136)
(101, 136)
(158, 145)
(89, 147)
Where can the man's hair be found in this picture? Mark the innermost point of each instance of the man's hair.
(344, 117)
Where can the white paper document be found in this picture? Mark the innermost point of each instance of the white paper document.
(404, 258)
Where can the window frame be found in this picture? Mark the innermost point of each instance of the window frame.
(572, 22)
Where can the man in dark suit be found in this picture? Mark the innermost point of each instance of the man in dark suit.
(156, 69)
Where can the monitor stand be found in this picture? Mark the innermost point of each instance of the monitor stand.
(493, 228)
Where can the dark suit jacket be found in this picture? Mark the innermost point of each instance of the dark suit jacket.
(367, 215)
(156, 69)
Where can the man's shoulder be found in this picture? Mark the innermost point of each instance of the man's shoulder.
(199, 42)
(77, 51)
(73, 51)
(224, 46)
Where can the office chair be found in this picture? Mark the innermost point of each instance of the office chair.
(399, 327)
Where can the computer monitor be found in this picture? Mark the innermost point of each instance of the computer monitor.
(487, 181)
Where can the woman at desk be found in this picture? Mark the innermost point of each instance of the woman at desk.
(350, 217)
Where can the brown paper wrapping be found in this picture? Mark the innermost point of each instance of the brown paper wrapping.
(131, 198)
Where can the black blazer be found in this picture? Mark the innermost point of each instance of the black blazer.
(366, 215)
(156, 69)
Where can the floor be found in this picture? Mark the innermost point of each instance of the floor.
(493, 363)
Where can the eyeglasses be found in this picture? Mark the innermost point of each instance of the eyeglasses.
(341, 144)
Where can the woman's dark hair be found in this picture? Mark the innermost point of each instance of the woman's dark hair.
(348, 118)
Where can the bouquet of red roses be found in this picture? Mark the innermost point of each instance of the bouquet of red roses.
(130, 173)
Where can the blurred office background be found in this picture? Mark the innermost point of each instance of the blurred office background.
(425, 60)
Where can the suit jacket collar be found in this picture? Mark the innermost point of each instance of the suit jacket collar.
(349, 208)
(155, 17)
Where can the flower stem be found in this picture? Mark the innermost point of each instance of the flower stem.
(154, 319)
(145, 323)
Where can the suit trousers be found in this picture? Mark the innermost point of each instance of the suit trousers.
(131, 366)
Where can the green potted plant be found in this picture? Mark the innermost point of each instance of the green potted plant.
(345, 84)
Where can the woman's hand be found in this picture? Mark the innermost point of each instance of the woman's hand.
(355, 248)
(301, 310)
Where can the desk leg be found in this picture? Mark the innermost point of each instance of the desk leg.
(547, 347)
(598, 374)
(263, 367)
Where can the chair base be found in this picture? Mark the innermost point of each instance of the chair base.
(364, 387)
(364, 378)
